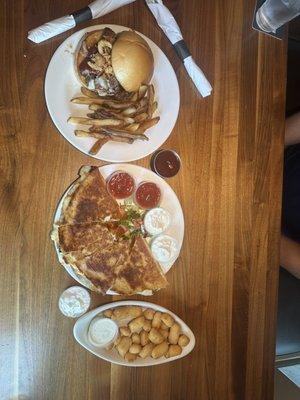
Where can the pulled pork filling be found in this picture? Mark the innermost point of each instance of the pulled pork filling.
(96, 67)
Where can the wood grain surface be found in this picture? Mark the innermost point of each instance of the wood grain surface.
(224, 284)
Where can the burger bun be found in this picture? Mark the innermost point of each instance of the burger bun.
(132, 61)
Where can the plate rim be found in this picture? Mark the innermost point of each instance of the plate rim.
(88, 29)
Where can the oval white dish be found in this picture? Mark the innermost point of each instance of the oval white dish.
(80, 332)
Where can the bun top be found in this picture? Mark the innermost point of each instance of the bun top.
(132, 60)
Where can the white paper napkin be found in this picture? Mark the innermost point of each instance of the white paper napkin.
(171, 29)
(96, 9)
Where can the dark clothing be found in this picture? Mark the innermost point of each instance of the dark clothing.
(288, 321)
(291, 193)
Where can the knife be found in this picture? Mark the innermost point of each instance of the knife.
(94, 10)
(167, 23)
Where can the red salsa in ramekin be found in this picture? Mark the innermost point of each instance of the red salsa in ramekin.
(147, 195)
(120, 185)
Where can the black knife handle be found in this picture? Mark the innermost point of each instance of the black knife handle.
(84, 14)
(181, 49)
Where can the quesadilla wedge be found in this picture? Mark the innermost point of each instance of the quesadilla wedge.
(139, 272)
(74, 237)
(99, 262)
(88, 199)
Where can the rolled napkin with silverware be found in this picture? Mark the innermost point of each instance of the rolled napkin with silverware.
(171, 29)
(94, 10)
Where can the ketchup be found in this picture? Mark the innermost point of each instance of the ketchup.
(120, 185)
(147, 195)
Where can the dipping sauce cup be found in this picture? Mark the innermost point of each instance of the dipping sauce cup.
(165, 163)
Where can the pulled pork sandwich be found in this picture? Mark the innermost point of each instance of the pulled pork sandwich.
(114, 65)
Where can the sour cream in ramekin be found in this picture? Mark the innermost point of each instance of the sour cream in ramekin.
(74, 301)
(157, 221)
(102, 332)
(164, 248)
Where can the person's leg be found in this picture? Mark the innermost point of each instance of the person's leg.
(290, 255)
(292, 129)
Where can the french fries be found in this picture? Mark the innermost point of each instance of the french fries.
(102, 138)
(96, 107)
(129, 111)
(141, 117)
(141, 104)
(101, 134)
(82, 133)
(132, 127)
(152, 109)
(134, 97)
(117, 106)
(150, 100)
(142, 91)
(99, 114)
(108, 103)
(148, 124)
(124, 133)
(96, 122)
(117, 120)
(97, 145)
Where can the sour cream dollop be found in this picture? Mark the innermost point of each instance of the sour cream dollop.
(164, 248)
(157, 221)
(74, 301)
(102, 332)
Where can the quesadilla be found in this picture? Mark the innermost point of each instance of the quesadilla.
(100, 264)
(139, 272)
(87, 238)
(88, 199)
(74, 237)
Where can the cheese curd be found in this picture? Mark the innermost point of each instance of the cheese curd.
(164, 248)
(157, 221)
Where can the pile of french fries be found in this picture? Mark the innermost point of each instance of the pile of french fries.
(114, 120)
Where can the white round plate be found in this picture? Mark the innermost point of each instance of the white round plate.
(61, 85)
(80, 331)
(169, 202)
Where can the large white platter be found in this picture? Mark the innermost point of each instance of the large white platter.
(80, 331)
(61, 85)
(169, 202)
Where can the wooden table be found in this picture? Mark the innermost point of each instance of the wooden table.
(224, 284)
